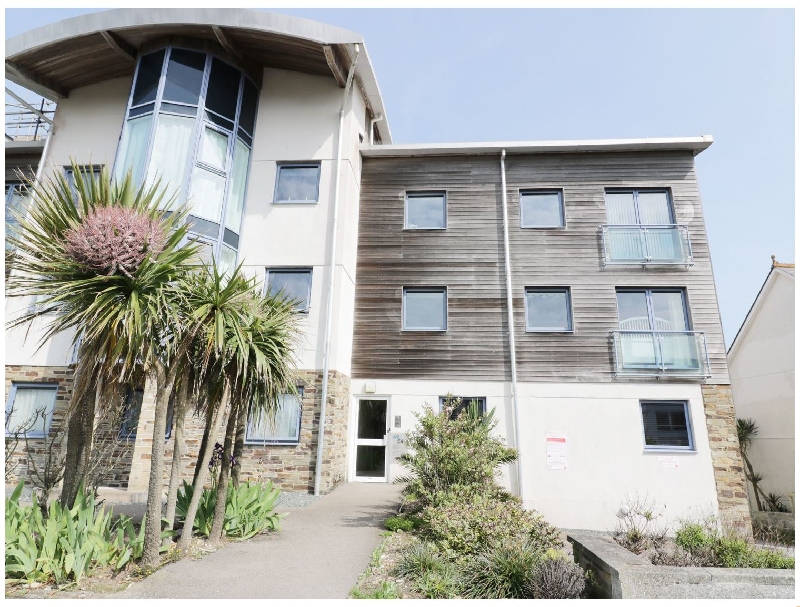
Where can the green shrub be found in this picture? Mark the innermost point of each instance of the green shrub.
(400, 523)
(249, 509)
(386, 590)
(69, 543)
(502, 571)
(557, 578)
(466, 528)
(447, 453)
(429, 571)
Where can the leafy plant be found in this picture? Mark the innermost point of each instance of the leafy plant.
(774, 503)
(502, 571)
(386, 590)
(637, 526)
(431, 573)
(446, 454)
(205, 511)
(402, 523)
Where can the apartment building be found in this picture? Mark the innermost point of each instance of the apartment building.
(610, 378)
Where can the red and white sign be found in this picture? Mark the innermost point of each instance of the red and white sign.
(556, 443)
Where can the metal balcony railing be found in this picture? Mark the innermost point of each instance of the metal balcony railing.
(661, 353)
(27, 119)
(646, 245)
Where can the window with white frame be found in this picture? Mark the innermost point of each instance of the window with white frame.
(541, 208)
(190, 123)
(667, 426)
(426, 211)
(294, 284)
(29, 410)
(424, 308)
(284, 429)
(548, 309)
(297, 182)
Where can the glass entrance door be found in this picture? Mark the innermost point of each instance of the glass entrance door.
(371, 440)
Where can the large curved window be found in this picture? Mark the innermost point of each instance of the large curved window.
(190, 123)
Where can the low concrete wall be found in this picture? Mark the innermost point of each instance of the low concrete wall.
(620, 574)
(774, 520)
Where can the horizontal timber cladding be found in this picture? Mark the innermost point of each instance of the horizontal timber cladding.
(468, 259)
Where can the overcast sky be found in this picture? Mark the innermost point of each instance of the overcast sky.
(490, 75)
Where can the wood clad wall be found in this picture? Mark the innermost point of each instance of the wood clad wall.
(467, 258)
(24, 162)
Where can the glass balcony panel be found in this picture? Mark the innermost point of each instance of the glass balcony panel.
(654, 353)
(639, 350)
(664, 244)
(624, 244)
(679, 351)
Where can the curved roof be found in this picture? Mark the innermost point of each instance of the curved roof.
(56, 58)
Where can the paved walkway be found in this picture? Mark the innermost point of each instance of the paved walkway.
(319, 553)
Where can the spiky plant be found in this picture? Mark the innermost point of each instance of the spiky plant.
(746, 430)
(126, 315)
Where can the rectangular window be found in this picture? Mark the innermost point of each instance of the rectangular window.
(639, 207)
(16, 199)
(426, 211)
(131, 411)
(667, 426)
(87, 172)
(548, 309)
(284, 429)
(466, 401)
(29, 410)
(291, 284)
(424, 309)
(541, 208)
(297, 183)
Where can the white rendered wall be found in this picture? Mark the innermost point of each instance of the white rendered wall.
(87, 127)
(606, 456)
(761, 366)
(297, 120)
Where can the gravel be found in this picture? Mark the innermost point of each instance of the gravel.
(296, 500)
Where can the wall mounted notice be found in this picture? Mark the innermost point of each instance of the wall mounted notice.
(556, 450)
(667, 462)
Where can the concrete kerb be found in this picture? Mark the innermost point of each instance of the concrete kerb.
(620, 574)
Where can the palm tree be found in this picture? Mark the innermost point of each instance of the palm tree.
(746, 430)
(104, 260)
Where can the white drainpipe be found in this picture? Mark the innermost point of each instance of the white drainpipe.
(372, 122)
(332, 257)
(510, 306)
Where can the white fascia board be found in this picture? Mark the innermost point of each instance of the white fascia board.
(693, 144)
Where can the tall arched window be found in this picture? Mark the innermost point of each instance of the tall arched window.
(190, 121)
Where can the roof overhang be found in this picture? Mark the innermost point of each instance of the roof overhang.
(54, 59)
(695, 145)
(23, 146)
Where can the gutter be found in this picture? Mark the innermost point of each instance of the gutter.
(510, 309)
(332, 257)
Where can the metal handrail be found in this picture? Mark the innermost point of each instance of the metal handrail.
(704, 364)
(686, 256)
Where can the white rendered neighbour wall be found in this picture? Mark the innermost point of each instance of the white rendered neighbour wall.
(606, 456)
(761, 365)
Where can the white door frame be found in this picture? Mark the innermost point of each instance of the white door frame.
(376, 442)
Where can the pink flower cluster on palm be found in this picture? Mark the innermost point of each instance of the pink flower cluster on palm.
(113, 239)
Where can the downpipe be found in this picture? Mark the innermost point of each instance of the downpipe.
(331, 281)
(510, 309)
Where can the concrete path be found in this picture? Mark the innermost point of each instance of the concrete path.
(319, 553)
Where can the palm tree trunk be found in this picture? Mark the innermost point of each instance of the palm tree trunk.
(200, 479)
(224, 474)
(751, 477)
(177, 451)
(80, 433)
(238, 445)
(201, 455)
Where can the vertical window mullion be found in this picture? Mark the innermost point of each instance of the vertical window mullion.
(229, 164)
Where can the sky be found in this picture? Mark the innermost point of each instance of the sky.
(459, 75)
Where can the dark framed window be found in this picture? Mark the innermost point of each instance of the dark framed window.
(667, 426)
(424, 308)
(284, 429)
(16, 201)
(292, 284)
(29, 409)
(652, 310)
(548, 309)
(647, 207)
(190, 123)
(87, 172)
(297, 182)
(132, 409)
(426, 211)
(466, 401)
(541, 209)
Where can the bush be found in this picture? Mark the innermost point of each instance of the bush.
(447, 453)
(386, 590)
(431, 573)
(501, 572)
(402, 523)
(637, 525)
(69, 543)
(468, 527)
(557, 578)
(249, 509)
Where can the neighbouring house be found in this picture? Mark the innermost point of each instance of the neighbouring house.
(761, 363)
(567, 284)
